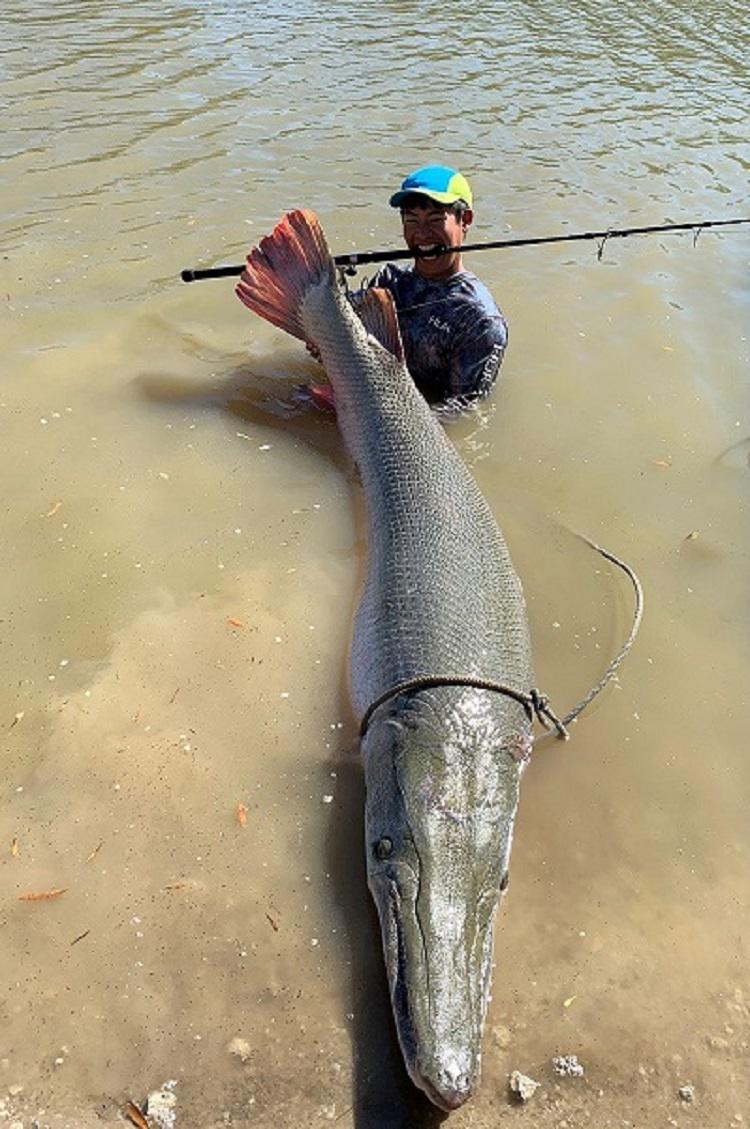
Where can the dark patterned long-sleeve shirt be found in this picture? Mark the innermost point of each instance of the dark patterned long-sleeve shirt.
(453, 332)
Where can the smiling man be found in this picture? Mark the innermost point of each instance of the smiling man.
(454, 335)
(453, 332)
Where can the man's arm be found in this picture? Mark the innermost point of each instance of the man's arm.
(477, 357)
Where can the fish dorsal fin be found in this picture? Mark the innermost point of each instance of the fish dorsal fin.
(378, 314)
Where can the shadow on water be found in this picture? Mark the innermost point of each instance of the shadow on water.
(249, 396)
(383, 1097)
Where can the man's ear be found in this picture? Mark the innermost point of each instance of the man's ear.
(467, 217)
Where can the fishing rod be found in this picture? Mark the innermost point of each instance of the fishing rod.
(358, 258)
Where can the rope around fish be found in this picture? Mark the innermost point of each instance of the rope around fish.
(536, 704)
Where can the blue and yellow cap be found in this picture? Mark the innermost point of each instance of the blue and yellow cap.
(436, 181)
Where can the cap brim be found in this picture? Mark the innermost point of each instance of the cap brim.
(398, 198)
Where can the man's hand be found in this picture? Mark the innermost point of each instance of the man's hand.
(318, 396)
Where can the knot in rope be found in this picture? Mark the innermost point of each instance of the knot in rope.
(542, 710)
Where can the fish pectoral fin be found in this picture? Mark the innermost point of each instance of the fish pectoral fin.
(378, 314)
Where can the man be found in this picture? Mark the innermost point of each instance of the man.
(453, 332)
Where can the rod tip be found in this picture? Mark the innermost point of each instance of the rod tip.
(187, 275)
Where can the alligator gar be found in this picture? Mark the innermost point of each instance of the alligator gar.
(442, 613)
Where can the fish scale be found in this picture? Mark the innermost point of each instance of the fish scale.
(434, 547)
(441, 594)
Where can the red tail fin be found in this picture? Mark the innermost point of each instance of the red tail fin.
(282, 268)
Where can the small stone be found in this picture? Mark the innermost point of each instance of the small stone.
(501, 1036)
(161, 1107)
(522, 1086)
(567, 1066)
(240, 1047)
(687, 1093)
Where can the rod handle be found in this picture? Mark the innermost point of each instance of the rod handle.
(190, 275)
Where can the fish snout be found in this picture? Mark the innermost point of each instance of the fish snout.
(449, 1081)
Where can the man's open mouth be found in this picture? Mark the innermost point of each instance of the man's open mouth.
(430, 250)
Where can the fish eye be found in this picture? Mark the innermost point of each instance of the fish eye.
(383, 848)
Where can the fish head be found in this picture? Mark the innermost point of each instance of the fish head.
(441, 802)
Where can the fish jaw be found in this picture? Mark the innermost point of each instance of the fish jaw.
(439, 815)
(443, 1060)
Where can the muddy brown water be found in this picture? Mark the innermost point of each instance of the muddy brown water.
(182, 558)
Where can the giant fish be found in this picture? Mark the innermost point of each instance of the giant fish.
(441, 669)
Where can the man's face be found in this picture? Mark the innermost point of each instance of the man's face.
(428, 224)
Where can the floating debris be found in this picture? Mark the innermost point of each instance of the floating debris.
(135, 1116)
(43, 896)
(521, 1086)
(687, 1093)
(241, 815)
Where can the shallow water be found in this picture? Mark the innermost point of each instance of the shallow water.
(182, 557)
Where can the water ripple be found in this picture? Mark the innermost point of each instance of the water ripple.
(551, 104)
